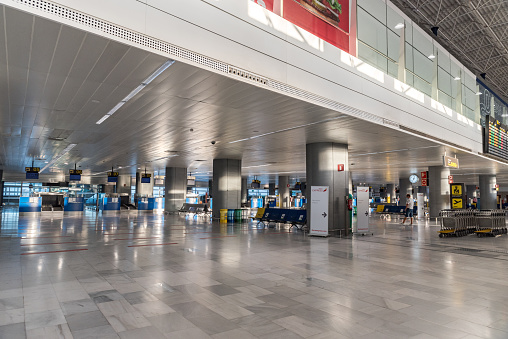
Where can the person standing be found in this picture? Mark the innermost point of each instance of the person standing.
(409, 208)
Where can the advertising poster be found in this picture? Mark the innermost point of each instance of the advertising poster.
(362, 210)
(326, 19)
(319, 211)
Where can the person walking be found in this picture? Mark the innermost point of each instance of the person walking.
(409, 208)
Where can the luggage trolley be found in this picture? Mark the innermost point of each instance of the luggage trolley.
(456, 223)
(491, 223)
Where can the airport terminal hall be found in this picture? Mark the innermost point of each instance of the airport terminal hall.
(242, 169)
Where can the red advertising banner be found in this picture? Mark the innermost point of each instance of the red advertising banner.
(326, 19)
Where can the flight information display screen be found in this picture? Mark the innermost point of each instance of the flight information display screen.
(496, 138)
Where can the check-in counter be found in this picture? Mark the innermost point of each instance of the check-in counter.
(109, 204)
(146, 204)
(73, 205)
(29, 205)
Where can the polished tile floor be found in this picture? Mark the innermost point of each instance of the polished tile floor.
(163, 276)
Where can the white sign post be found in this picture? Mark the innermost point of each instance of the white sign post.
(421, 205)
(319, 211)
(362, 210)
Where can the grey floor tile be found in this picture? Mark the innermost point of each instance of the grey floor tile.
(44, 319)
(222, 289)
(100, 332)
(213, 324)
(78, 306)
(170, 322)
(13, 331)
(81, 321)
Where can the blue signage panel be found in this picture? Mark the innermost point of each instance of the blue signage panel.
(31, 175)
(75, 177)
(112, 179)
(145, 180)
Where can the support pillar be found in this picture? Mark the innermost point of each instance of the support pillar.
(123, 184)
(439, 190)
(271, 188)
(303, 188)
(1, 188)
(284, 191)
(488, 193)
(143, 190)
(175, 188)
(405, 187)
(322, 159)
(245, 189)
(226, 185)
(390, 193)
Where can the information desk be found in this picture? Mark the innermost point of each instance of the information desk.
(109, 204)
(30, 204)
(72, 204)
(146, 204)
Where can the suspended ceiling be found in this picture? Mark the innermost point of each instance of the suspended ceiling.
(56, 82)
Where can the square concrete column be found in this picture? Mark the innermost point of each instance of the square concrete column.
(405, 187)
(143, 189)
(271, 188)
(488, 192)
(391, 193)
(284, 191)
(123, 184)
(439, 190)
(175, 188)
(245, 189)
(227, 184)
(322, 160)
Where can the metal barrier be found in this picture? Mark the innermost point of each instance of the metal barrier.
(459, 223)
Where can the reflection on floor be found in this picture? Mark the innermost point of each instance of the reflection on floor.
(158, 276)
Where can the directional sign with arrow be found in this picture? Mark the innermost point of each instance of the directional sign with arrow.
(324, 214)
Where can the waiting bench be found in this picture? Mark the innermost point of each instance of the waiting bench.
(297, 218)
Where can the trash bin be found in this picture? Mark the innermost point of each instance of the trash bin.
(238, 215)
(224, 215)
(231, 215)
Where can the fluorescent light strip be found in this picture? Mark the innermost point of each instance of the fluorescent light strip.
(141, 163)
(257, 166)
(287, 129)
(59, 156)
(138, 89)
(393, 151)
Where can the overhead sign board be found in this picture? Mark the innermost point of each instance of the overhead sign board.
(319, 210)
(450, 162)
(75, 171)
(495, 138)
(113, 176)
(32, 169)
(32, 175)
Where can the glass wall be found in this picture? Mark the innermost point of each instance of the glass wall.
(415, 59)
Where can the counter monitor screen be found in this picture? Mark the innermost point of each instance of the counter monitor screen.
(495, 138)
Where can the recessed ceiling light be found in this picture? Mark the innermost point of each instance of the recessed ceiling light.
(432, 56)
(399, 25)
(66, 163)
(479, 93)
(456, 78)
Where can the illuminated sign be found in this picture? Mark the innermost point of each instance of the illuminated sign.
(450, 162)
(495, 138)
(75, 171)
(457, 196)
(32, 169)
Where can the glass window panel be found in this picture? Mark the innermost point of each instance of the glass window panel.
(455, 69)
(423, 66)
(409, 78)
(444, 81)
(444, 98)
(470, 99)
(409, 57)
(370, 56)
(376, 8)
(392, 19)
(393, 46)
(470, 82)
(393, 69)
(422, 43)
(422, 86)
(455, 87)
(443, 60)
(409, 33)
(371, 31)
